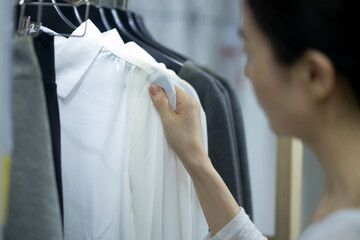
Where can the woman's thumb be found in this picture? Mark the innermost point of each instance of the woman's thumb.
(160, 100)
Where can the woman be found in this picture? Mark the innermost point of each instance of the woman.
(303, 57)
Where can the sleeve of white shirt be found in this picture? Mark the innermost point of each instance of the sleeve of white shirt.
(239, 228)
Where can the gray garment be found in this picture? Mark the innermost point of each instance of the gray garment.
(34, 211)
(221, 135)
(233, 134)
(241, 141)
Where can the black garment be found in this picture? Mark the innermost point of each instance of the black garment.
(241, 142)
(221, 139)
(44, 47)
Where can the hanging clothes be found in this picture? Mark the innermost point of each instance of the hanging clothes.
(34, 211)
(121, 180)
(44, 47)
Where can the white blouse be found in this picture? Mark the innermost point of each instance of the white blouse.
(121, 180)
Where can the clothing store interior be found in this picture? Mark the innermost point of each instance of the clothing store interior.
(102, 167)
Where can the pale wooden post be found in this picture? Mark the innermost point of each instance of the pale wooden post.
(288, 189)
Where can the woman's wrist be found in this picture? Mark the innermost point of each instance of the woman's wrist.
(217, 202)
(197, 164)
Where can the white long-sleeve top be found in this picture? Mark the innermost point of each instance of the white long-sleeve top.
(121, 180)
(341, 225)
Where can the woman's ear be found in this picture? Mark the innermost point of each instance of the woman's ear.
(317, 75)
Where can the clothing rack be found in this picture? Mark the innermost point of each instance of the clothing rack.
(26, 26)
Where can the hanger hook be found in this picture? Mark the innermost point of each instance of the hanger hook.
(24, 23)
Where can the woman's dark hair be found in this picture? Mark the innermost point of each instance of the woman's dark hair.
(329, 26)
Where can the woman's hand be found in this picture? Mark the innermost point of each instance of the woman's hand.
(183, 131)
(182, 127)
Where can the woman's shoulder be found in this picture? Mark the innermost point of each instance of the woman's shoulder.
(342, 224)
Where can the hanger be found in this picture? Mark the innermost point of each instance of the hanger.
(129, 22)
(137, 23)
(96, 15)
(141, 25)
(120, 20)
(129, 33)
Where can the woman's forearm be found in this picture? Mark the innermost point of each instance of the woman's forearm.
(217, 202)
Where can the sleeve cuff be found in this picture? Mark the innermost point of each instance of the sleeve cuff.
(240, 227)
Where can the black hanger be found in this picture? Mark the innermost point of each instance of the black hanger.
(129, 22)
(141, 25)
(114, 22)
(137, 23)
(121, 23)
